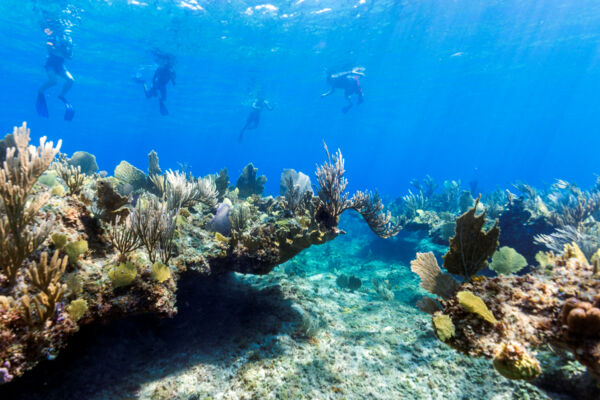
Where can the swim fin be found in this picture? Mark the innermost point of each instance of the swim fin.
(69, 110)
(163, 109)
(41, 106)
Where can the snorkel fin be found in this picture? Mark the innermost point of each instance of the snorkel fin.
(41, 106)
(69, 110)
(163, 109)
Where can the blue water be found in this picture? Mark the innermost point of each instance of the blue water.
(497, 91)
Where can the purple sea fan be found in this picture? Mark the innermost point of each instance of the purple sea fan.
(220, 222)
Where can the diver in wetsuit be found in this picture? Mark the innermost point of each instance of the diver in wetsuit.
(60, 48)
(254, 117)
(164, 74)
(348, 81)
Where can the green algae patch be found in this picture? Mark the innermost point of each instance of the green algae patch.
(443, 327)
(75, 249)
(122, 275)
(473, 304)
(76, 309)
(59, 240)
(160, 272)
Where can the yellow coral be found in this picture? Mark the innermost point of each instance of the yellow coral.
(73, 284)
(122, 274)
(443, 327)
(160, 272)
(545, 259)
(513, 362)
(573, 251)
(75, 249)
(473, 304)
(58, 190)
(220, 238)
(77, 308)
(58, 240)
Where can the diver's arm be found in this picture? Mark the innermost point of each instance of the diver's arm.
(269, 107)
(360, 71)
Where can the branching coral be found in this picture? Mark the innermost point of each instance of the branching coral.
(296, 189)
(123, 237)
(331, 190)
(184, 192)
(413, 202)
(154, 224)
(44, 277)
(583, 207)
(331, 184)
(71, 176)
(369, 205)
(556, 241)
(24, 164)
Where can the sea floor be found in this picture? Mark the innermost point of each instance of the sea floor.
(292, 334)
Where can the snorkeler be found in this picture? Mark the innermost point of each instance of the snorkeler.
(254, 117)
(164, 74)
(60, 48)
(348, 81)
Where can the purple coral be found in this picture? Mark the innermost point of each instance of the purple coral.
(5, 376)
(220, 222)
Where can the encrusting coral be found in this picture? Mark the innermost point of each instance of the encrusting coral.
(108, 258)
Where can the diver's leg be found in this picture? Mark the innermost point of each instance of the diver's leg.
(150, 91)
(40, 102)
(349, 105)
(161, 101)
(51, 81)
(69, 80)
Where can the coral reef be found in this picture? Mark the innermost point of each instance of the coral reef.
(525, 313)
(102, 255)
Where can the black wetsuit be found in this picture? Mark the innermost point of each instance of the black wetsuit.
(349, 83)
(254, 117)
(59, 48)
(163, 75)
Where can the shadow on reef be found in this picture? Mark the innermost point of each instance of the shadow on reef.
(215, 316)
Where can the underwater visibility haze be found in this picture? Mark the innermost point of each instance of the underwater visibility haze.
(307, 199)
